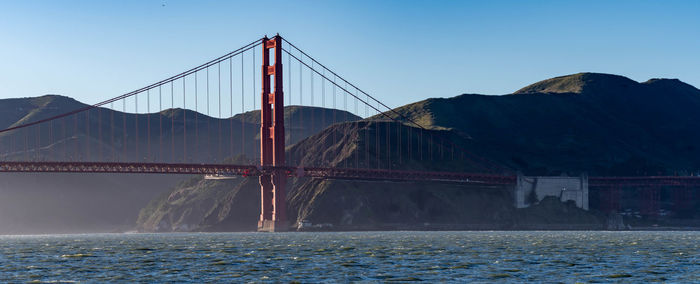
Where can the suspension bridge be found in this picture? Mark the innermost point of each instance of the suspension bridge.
(195, 122)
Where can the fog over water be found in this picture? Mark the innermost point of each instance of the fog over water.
(45, 203)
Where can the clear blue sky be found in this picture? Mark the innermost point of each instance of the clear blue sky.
(399, 51)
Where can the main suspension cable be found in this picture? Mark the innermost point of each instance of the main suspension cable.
(151, 86)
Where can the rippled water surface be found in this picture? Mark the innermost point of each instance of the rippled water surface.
(362, 256)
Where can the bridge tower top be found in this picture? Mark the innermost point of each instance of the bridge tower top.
(272, 187)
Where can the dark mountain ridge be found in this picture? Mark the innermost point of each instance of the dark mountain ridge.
(576, 124)
(596, 123)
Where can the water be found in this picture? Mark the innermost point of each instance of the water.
(361, 256)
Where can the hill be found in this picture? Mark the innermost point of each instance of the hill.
(596, 123)
(62, 203)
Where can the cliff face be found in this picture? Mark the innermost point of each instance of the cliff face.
(204, 205)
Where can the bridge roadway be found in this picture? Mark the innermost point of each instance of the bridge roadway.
(255, 170)
(327, 173)
(645, 181)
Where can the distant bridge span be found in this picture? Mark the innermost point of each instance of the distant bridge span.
(325, 173)
(255, 170)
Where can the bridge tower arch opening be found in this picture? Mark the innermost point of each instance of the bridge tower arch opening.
(273, 216)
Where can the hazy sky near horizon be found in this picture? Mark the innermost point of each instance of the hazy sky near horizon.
(399, 51)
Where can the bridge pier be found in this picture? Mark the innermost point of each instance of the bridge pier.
(273, 216)
(266, 195)
(274, 211)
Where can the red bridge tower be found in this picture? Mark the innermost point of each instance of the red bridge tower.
(273, 217)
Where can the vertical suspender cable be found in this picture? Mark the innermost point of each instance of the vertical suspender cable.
(51, 143)
(367, 164)
(345, 101)
(99, 132)
(148, 125)
(16, 139)
(26, 144)
(184, 120)
(301, 91)
(37, 146)
(252, 88)
(196, 114)
(242, 107)
(290, 122)
(10, 144)
(429, 142)
(172, 122)
(398, 135)
(420, 144)
(442, 150)
(289, 89)
(220, 116)
(13, 143)
(376, 141)
(111, 131)
(160, 124)
(334, 111)
(388, 144)
(357, 109)
(302, 126)
(323, 103)
(9, 148)
(410, 142)
(136, 122)
(253, 76)
(311, 86)
(345, 107)
(230, 119)
(124, 128)
(87, 135)
(65, 139)
(357, 153)
(75, 133)
(301, 102)
(208, 135)
(441, 146)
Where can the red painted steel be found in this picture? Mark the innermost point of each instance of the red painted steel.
(253, 170)
(682, 183)
(644, 181)
(135, 168)
(398, 175)
(272, 186)
(610, 201)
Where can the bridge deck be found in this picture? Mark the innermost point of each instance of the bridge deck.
(254, 170)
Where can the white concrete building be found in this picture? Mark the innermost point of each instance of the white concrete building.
(539, 187)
